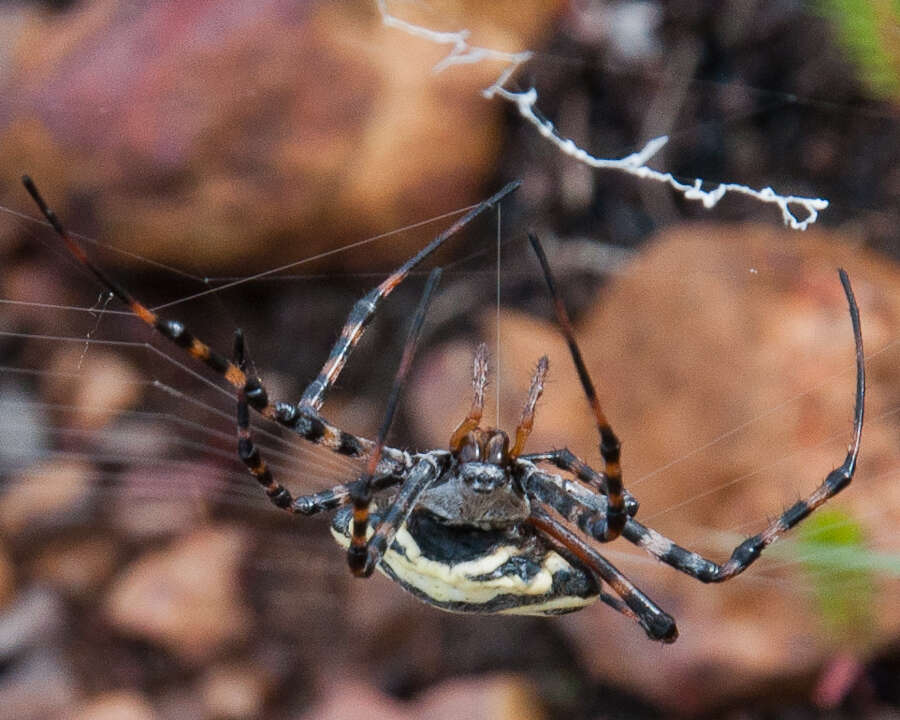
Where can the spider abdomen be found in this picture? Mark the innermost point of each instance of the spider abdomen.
(471, 570)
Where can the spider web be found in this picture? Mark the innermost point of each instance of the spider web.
(287, 456)
(176, 441)
(192, 390)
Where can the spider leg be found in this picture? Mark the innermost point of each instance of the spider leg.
(337, 496)
(565, 459)
(307, 424)
(361, 555)
(619, 606)
(277, 493)
(562, 505)
(578, 505)
(247, 450)
(609, 443)
(526, 422)
(420, 478)
(657, 624)
(365, 307)
(479, 381)
(748, 551)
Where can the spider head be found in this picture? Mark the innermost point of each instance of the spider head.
(483, 459)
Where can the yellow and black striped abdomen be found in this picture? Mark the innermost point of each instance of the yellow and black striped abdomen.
(469, 570)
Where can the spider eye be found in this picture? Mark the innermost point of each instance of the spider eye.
(496, 449)
(470, 450)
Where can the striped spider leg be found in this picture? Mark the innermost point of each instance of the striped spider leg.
(302, 418)
(748, 551)
(365, 307)
(360, 491)
(606, 515)
(633, 603)
(609, 443)
(630, 601)
(365, 553)
(617, 504)
(306, 424)
(591, 512)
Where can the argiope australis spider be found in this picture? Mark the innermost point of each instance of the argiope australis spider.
(479, 527)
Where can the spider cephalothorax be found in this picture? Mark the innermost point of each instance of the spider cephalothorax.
(479, 488)
(481, 527)
(482, 493)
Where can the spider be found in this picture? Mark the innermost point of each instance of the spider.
(480, 527)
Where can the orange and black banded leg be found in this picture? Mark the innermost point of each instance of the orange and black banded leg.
(360, 556)
(280, 496)
(609, 443)
(423, 474)
(479, 382)
(583, 508)
(170, 329)
(247, 450)
(305, 423)
(526, 421)
(748, 551)
(565, 459)
(657, 624)
(365, 307)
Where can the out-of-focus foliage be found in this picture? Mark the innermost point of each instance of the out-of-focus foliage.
(870, 31)
(832, 543)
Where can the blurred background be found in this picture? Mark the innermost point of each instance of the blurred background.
(195, 145)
